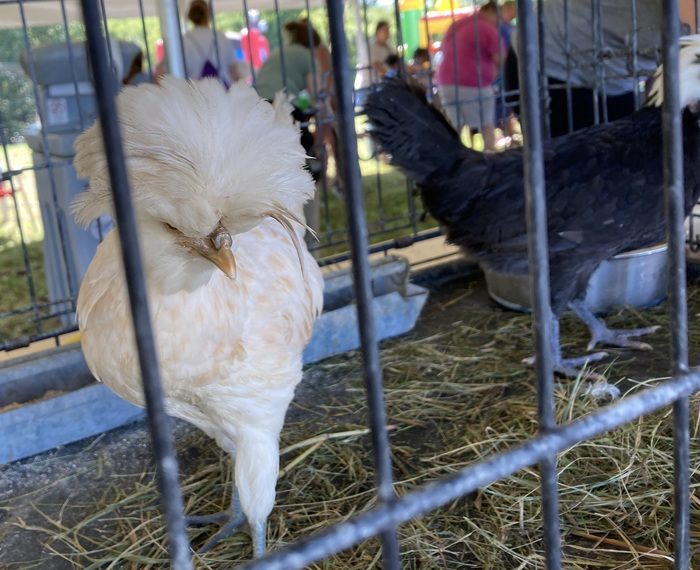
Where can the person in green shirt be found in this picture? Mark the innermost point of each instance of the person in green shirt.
(291, 67)
(296, 56)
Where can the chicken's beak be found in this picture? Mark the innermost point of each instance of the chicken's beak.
(224, 260)
(217, 249)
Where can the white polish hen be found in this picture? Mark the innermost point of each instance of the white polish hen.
(218, 185)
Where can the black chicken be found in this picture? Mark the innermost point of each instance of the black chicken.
(604, 189)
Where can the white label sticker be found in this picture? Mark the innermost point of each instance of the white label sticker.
(57, 108)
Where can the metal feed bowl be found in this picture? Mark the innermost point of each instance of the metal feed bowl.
(635, 278)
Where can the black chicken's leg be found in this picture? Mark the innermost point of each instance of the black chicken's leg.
(601, 334)
(569, 367)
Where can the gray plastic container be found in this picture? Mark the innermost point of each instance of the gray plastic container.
(64, 271)
(64, 108)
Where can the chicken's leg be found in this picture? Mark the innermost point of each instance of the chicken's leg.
(601, 334)
(259, 532)
(232, 520)
(569, 367)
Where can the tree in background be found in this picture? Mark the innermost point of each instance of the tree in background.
(17, 109)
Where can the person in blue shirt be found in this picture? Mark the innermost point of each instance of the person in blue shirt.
(506, 27)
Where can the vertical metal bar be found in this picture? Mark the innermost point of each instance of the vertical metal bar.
(215, 36)
(145, 38)
(103, 11)
(71, 60)
(250, 42)
(536, 210)
(431, 83)
(180, 38)
(399, 38)
(544, 87)
(373, 79)
(567, 49)
(501, 67)
(600, 61)
(595, 29)
(360, 266)
(312, 54)
(675, 216)
(478, 68)
(280, 39)
(635, 49)
(455, 63)
(159, 424)
(170, 31)
(365, 18)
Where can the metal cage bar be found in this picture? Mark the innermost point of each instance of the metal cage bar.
(538, 260)
(552, 438)
(159, 424)
(361, 276)
(675, 215)
(495, 467)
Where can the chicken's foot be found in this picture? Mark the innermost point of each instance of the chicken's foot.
(601, 334)
(568, 367)
(232, 520)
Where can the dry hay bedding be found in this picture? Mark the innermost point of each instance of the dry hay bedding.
(455, 393)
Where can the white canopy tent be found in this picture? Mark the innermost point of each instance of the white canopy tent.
(13, 14)
(16, 14)
(46, 12)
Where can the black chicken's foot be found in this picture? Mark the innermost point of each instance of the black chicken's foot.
(601, 334)
(571, 367)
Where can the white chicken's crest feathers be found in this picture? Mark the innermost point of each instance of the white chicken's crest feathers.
(197, 154)
(689, 75)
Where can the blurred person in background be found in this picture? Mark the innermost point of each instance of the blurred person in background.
(291, 68)
(207, 52)
(471, 52)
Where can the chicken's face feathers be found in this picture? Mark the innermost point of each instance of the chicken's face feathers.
(689, 75)
(197, 154)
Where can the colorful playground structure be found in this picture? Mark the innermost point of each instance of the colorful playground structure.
(422, 27)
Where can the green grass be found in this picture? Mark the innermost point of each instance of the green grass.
(391, 205)
(14, 285)
(16, 292)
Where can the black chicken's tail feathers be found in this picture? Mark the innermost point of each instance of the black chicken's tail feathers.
(418, 137)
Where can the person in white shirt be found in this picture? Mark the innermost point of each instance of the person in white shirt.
(380, 50)
(207, 52)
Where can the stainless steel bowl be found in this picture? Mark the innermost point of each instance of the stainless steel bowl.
(635, 278)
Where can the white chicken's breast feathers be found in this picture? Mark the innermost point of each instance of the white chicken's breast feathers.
(238, 155)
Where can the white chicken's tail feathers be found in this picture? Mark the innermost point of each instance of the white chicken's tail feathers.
(689, 75)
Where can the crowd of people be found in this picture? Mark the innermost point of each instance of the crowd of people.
(472, 76)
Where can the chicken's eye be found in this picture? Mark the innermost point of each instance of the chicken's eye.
(171, 228)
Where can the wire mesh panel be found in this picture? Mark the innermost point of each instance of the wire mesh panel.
(334, 109)
(620, 50)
